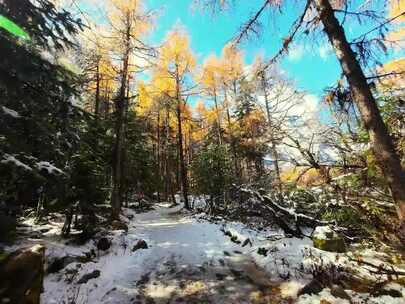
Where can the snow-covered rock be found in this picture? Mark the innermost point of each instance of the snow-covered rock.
(325, 238)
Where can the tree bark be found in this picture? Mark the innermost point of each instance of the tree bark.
(120, 113)
(158, 154)
(272, 141)
(166, 153)
(218, 119)
(124, 182)
(231, 137)
(97, 101)
(183, 168)
(382, 145)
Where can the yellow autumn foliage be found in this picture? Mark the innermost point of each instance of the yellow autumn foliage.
(395, 81)
(396, 8)
(175, 55)
(232, 63)
(311, 177)
(211, 73)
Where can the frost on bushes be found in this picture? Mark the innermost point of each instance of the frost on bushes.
(11, 159)
(10, 112)
(43, 165)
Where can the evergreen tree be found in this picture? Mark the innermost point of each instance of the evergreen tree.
(38, 119)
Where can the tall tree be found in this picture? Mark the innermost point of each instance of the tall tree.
(39, 123)
(231, 72)
(210, 81)
(129, 23)
(264, 88)
(175, 64)
(380, 139)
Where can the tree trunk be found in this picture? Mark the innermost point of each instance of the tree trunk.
(166, 154)
(231, 138)
(274, 151)
(158, 155)
(117, 151)
(381, 142)
(123, 184)
(218, 119)
(183, 168)
(97, 101)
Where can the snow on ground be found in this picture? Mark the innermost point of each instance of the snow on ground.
(191, 260)
(48, 235)
(361, 298)
(283, 257)
(172, 239)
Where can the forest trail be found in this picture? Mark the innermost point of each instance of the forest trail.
(188, 260)
(191, 261)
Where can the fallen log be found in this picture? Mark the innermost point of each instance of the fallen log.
(285, 218)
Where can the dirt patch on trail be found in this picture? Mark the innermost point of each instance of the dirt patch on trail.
(212, 282)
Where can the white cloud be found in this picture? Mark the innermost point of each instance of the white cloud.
(296, 52)
(305, 106)
(325, 50)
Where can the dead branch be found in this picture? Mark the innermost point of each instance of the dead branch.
(284, 216)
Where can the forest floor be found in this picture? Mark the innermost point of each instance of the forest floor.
(191, 260)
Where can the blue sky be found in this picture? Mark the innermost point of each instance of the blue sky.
(310, 63)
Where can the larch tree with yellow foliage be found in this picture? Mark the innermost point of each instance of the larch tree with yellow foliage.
(231, 72)
(129, 23)
(211, 84)
(98, 71)
(173, 74)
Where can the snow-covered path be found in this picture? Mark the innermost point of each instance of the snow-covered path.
(192, 261)
(187, 261)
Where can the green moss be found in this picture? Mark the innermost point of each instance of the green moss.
(336, 244)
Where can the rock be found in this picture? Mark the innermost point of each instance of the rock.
(220, 276)
(390, 289)
(141, 244)
(88, 276)
(228, 233)
(234, 239)
(312, 287)
(325, 238)
(21, 275)
(247, 242)
(103, 244)
(389, 292)
(262, 251)
(87, 256)
(117, 225)
(59, 263)
(338, 292)
(88, 232)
